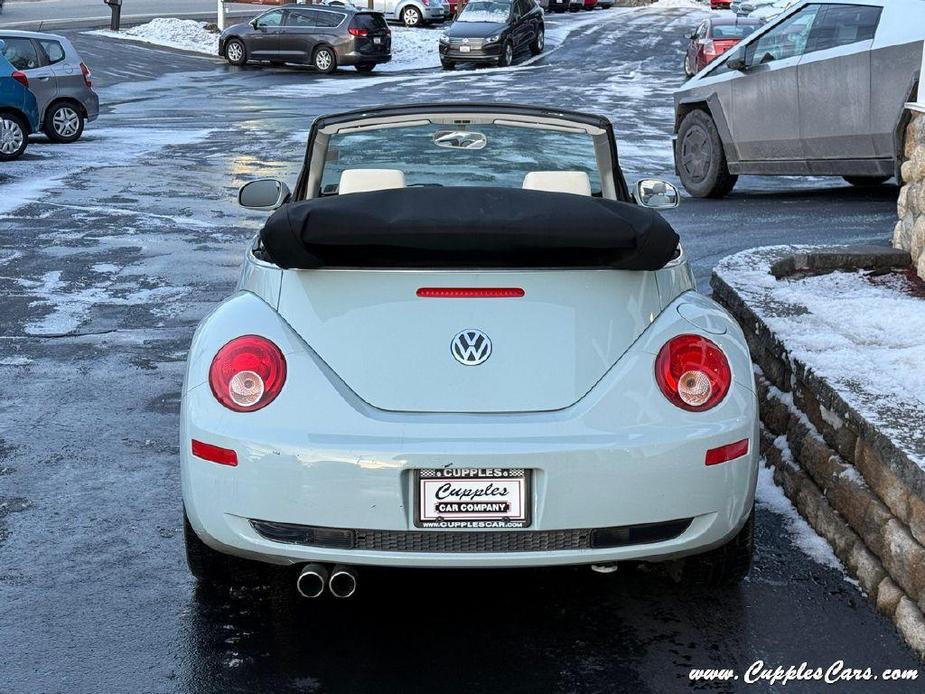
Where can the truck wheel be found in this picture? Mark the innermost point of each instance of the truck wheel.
(411, 16)
(235, 52)
(700, 158)
(214, 568)
(867, 181)
(721, 567)
(14, 136)
(63, 123)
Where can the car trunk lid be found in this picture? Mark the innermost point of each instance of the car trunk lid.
(394, 348)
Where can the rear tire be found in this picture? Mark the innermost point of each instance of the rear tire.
(214, 568)
(700, 158)
(325, 60)
(365, 67)
(14, 136)
(721, 567)
(867, 181)
(411, 17)
(236, 52)
(64, 123)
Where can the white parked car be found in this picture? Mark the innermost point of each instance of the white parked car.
(510, 371)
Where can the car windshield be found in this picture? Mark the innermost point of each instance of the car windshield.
(496, 11)
(733, 31)
(475, 155)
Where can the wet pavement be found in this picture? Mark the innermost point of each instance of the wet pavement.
(128, 238)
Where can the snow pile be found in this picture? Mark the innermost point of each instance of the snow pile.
(183, 34)
(865, 336)
(770, 496)
(413, 49)
(683, 4)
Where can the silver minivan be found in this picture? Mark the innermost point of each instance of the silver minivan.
(819, 91)
(59, 79)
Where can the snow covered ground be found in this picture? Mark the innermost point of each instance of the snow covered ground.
(864, 335)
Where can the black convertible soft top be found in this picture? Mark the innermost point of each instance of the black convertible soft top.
(428, 227)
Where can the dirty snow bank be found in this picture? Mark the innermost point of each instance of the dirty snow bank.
(182, 34)
(772, 497)
(865, 336)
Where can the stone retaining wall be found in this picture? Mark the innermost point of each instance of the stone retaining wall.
(910, 230)
(852, 484)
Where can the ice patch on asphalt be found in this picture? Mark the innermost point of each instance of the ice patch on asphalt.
(31, 177)
(802, 535)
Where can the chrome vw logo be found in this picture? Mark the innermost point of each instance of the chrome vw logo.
(471, 347)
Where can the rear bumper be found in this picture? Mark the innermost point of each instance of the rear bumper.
(91, 104)
(356, 57)
(319, 456)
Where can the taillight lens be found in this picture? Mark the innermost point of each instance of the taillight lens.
(356, 31)
(20, 77)
(87, 75)
(247, 373)
(693, 372)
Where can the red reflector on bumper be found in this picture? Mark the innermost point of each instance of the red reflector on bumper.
(215, 454)
(470, 292)
(728, 452)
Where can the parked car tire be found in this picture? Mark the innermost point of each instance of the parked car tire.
(325, 60)
(64, 122)
(701, 159)
(722, 567)
(411, 16)
(688, 72)
(507, 54)
(447, 64)
(214, 568)
(14, 136)
(365, 67)
(867, 181)
(236, 52)
(536, 47)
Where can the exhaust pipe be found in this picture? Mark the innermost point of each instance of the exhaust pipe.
(311, 580)
(343, 581)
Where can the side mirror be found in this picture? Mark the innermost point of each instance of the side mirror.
(737, 63)
(263, 194)
(656, 194)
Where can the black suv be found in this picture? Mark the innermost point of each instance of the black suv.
(493, 31)
(323, 37)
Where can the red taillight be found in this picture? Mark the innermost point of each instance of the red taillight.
(724, 454)
(20, 77)
(356, 31)
(247, 373)
(470, 292)
(215, 454)
(693, 372)
(87, 75)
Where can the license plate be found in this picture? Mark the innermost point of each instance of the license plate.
(472, 498)
(377, 39)
(464, 49)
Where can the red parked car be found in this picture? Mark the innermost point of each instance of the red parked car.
(720, 4)
(576, 5)
(714, 37)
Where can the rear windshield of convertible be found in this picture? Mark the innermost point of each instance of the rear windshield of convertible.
(508, 155)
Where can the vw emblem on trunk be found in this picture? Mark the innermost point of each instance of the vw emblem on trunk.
(471, 347)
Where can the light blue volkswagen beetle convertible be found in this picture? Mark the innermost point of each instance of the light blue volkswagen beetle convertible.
(460, 341)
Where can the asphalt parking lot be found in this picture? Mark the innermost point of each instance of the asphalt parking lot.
(111, 251)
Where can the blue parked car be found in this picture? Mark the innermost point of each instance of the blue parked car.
(19, 112)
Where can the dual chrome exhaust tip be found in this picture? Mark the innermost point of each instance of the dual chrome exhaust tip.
(314, 578)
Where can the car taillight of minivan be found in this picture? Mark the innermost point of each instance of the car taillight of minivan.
(356, 31)
(20, 77)
(87, 75)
